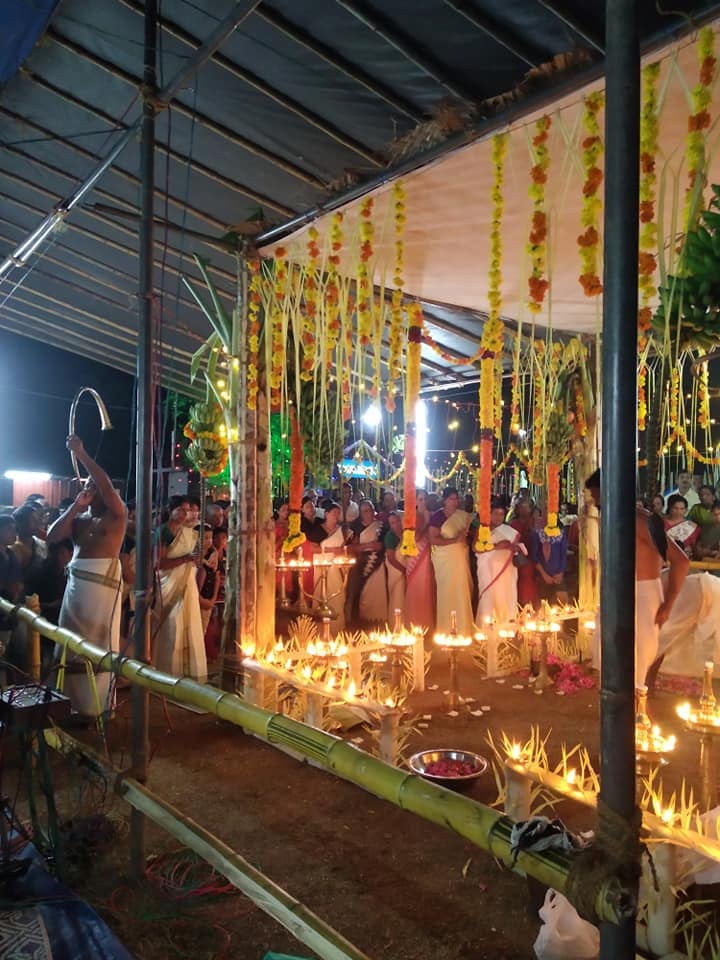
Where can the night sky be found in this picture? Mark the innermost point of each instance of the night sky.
(37, 386)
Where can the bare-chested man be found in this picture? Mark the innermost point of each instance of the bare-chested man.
(653, 549)
(93, 598)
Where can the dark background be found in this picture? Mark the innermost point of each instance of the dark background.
(37, 386)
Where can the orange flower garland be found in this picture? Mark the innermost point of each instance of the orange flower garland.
(537, 243)
(580, 419)
(310, 313)
(277, 340)
(553, 500)
(491, 345)
(699, 120)
(254, 301)
(589, 239)
(408, 547)
(345, 370)
(396, 310)
(364, 280)
(295, 537)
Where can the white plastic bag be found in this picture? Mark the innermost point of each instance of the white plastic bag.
(564, 935)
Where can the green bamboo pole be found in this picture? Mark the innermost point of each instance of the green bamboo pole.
(481, 825)
(302, 923)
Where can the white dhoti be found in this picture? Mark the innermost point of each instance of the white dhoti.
(648, 597)
(497, 580)
(91, 608)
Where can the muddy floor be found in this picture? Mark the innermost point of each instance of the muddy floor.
(396, 886)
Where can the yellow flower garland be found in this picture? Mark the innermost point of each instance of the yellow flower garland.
(332, 289)
(396, 310)
(699, 120)
(254, 302)
(537, 243)
(277, 341)
(310, 314)
(364, 279)
(589, 239)
(491, 345)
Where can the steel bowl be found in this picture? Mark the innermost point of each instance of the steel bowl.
(420, 761)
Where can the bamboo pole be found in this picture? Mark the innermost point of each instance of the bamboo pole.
(32, 602)
(302, 923)
(479, 824)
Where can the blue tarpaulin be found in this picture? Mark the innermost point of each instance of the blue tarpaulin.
(22, 23)
(41, 918)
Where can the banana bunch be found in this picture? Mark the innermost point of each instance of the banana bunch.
(558, 433)
(690, 302)
(207, 450)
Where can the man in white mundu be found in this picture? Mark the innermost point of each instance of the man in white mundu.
(92, 602)
(496, 573)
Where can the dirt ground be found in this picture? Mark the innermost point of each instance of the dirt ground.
(396, 886)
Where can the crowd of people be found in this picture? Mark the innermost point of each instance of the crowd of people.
(691, 514)
(447, 584)
(79, 559)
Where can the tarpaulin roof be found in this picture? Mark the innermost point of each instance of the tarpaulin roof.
(301, 101)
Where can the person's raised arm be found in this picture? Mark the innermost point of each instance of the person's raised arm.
(63, 527)
(110, 497)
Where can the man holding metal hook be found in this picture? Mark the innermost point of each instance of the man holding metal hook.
(95, 522)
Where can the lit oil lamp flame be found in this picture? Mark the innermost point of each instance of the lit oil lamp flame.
(306, 672)
(389, 702)
(515, 751)
(589, 624)
(571, 776)
(351, 690)
(667, 816)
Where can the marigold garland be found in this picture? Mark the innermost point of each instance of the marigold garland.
(344, 372)
(699, 120)
(277, 340)
(553, 500)
(703, 398)
(396, 309)
(364, 280)
(332, 289)
(310, 311)
(642, 398)
(580, 418)
(589, 239)
(491, 345)
(647, 264)
(254, 302)
(537, 243)
(295, 537)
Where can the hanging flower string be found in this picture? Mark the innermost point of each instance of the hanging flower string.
(364, 280)
(254, 302)
(647, 262)
(396, 309)
(295, 537)
(699, 120)
(332, 289)
(703, 397)
(310, 297)
(589, 239)
(277, 341)
(408, 547)
(491, 345)
(537, 243)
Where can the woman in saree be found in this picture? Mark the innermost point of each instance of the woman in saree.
(448, 531)
(419, 576)
(366, 594)
(328, 537)
(684, 532)
(178, 642)
(395, 566)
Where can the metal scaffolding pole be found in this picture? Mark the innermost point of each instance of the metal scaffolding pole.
(144, 442)
(619, 394)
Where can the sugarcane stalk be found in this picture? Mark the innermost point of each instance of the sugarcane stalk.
(265, 528)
